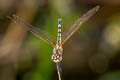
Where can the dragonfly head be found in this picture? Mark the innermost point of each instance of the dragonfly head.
(56, 58)
(57, 54)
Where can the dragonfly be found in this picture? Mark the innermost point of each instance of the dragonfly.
(61, 39)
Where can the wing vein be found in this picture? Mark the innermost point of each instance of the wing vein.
(30, 28)
(66, 36)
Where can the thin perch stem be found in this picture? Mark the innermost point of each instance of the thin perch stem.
(59, 70)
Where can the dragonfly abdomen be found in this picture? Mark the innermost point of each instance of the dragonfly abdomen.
(59, 32)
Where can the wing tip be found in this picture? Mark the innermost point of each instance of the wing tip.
(9, 17)
(13, 17)
(97, 8)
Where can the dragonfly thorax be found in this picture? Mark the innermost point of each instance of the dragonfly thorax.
(57, 54)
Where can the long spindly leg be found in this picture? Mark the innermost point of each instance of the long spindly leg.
(78, 23)
(30, 28)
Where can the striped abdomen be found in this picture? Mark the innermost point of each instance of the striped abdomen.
(59, 32)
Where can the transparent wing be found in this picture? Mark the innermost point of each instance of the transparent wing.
(78, 23)
(30, 28)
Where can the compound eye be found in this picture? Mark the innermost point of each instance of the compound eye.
(54, 56)
(58, 55)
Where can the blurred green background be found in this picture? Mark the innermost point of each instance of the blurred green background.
(91, 54)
